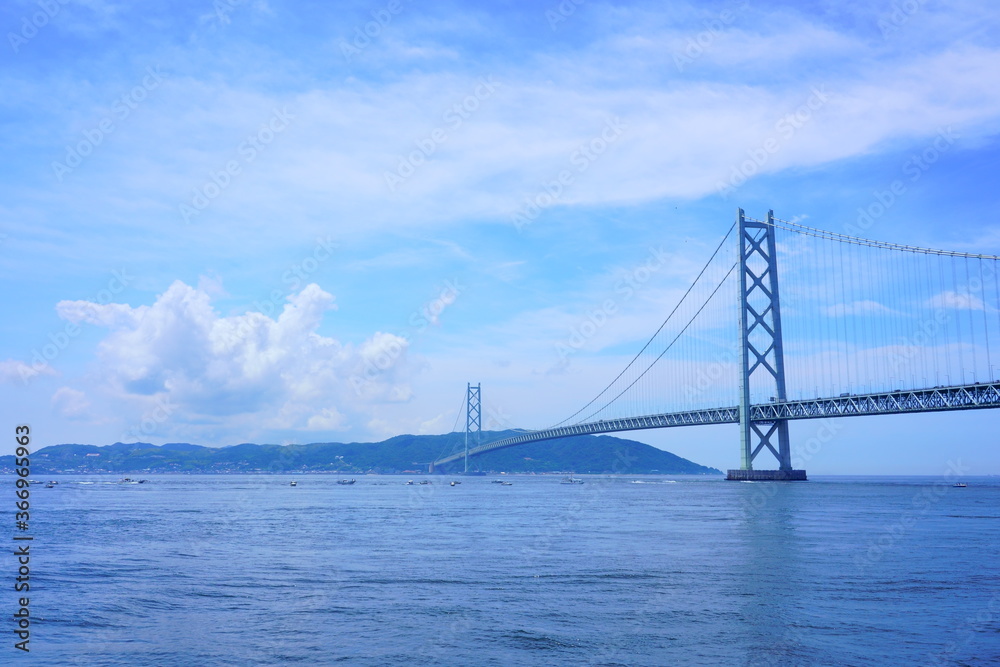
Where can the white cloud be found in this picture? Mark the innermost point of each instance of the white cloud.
(435, 425)
(679, 140)
(106, 315)
(682, 137)
(328, 419)
(685, 134)
(70, 403)
(278, 372)
(13, 370)
(950, 299)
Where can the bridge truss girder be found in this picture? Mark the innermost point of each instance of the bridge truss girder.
(937, 399)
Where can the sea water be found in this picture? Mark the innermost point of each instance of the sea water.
(641, 570)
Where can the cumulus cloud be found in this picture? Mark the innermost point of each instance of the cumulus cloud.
(278, 370)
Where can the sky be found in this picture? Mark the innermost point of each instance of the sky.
(261, 221)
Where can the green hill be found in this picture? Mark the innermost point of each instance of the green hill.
(404, 453)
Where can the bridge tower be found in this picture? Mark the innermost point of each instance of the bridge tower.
(761, 351)
(473, 417)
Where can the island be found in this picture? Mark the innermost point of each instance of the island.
(403, 454)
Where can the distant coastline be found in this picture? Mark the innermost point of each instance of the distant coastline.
(405, 455)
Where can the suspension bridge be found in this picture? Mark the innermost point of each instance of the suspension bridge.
(861, 327)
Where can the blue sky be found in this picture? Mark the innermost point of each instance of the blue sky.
(178, 175)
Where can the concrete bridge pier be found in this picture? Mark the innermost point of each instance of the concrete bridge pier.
(766, 475)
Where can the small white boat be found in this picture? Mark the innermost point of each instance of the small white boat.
(960, 485)
(507, 483)
(410, 483)
(572, 480)
(345, 481)
(293, 484)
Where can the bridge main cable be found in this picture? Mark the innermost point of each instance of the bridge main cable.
(652, 338)
(856, 240)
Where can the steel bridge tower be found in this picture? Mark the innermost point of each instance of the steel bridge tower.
(761, 356)
(473, 417)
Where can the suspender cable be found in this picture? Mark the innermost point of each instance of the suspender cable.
(636, 357)
(668, 347)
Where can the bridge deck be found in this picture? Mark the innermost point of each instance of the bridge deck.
(960, 397)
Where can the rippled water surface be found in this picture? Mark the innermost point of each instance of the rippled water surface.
(247, 570)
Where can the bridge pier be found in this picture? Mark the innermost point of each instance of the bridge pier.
(766, 475)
